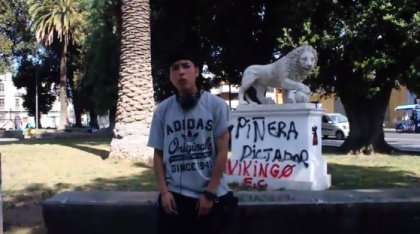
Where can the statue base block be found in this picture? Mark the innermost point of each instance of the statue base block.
(277, 147)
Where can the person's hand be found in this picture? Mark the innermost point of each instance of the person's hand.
(204, 206)
(168, 203)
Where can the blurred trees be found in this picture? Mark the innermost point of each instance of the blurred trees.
(58, 21)
(228, 36)
(93, 58)
(14, 33)
(99, 85)
(366, 48)
(19, 55)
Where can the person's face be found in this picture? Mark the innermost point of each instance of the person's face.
(183, 74)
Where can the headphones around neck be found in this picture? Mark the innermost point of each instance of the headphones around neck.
(189, 101)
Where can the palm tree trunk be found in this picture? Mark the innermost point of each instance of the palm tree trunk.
(63, 87)
(112, 113)
(135, 94)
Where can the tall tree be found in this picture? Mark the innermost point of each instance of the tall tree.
(366, 48)
(6, 44)
(42, 75)
(102, 63)
(57, 20)
(5, 53)
(135, 94)
(228, 35)
(16, 40)
(246, 34)
(14, 21)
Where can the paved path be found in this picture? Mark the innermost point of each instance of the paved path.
(399, 145)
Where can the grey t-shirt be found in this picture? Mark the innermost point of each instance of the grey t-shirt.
(188, 141)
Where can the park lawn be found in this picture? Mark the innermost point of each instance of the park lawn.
(34, 170)
(369, 172)
(69, 164)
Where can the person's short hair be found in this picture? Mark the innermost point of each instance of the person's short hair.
(184, 54)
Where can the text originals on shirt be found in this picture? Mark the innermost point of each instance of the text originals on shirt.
(181, 125)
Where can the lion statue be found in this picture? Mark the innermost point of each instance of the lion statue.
(288, 73)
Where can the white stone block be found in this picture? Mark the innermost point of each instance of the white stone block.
(277, 147)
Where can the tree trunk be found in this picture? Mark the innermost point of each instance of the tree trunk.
(93, 116)
(39, 119)
(77, 108)
(63, 87)
(366, 117)
(112, 113)
(135, 94)
(77, 102)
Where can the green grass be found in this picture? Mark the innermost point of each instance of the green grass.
(69, 164)
(34, 170)
(379, 171)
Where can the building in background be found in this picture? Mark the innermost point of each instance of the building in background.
(330, 104)
(14, 116)
(398, 97)
(230, 94)
(12, 113)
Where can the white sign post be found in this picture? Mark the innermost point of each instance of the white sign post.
(277, 147)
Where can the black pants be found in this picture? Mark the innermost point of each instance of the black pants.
(186, 221)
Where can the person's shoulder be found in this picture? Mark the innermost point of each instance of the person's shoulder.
(215, 98)
(165, 103)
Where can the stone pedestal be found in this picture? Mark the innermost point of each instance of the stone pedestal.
(277, 147)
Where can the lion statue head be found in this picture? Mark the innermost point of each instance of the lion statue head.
(301, 62)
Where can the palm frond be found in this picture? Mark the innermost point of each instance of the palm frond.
(55, 19)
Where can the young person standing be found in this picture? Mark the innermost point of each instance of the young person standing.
(189, 134)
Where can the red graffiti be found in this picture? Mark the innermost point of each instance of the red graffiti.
(259, 183)
(258, 169)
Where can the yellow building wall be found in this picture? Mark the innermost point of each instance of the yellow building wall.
(327, 103)
(398, 97)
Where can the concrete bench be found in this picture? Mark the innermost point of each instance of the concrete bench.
(332, 211)
(11, 134)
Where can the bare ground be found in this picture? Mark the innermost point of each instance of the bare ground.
(23, 217)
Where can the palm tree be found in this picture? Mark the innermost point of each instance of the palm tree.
(57, 20)
(135, 94)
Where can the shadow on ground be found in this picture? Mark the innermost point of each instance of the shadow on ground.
(82, 142)
(28, 201)
(22, 209)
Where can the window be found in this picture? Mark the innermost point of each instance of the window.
(1, 87)
(1, 104)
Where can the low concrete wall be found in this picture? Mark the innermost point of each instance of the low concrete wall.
(11, 134)
(340, 211)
